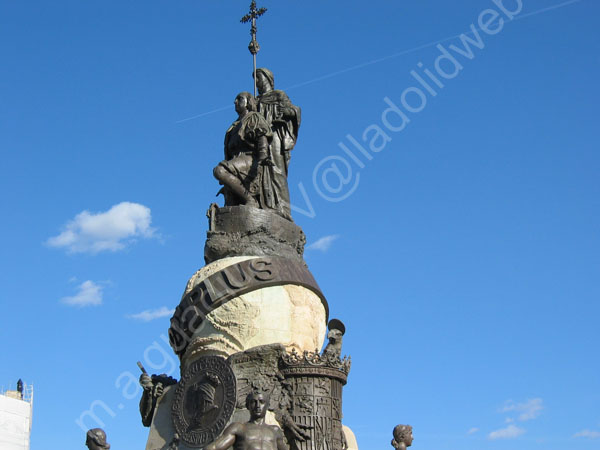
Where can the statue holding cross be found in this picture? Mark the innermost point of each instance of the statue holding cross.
(257, 145)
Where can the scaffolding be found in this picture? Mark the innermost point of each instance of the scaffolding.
(16, 414)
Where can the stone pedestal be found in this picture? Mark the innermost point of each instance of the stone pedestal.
(253, 310)
(244, 230)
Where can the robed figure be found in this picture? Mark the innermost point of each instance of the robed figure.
(284, 119)
(250, 173)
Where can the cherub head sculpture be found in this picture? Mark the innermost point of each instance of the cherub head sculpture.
(96, 439)
(403, 437)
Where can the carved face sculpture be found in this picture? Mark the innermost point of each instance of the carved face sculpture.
(408, 440)
(96, 439)
(90, 444)
(241, 104)
(335, 336)
(262, 83)
(257, 404)
(403, 434)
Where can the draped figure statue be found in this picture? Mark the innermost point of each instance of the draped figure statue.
(249, 173)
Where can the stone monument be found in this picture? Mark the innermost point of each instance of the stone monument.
(250, 324)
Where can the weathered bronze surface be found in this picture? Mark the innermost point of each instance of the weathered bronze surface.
(95, 439)
(153, 388)
(281, 113)
(255, 434)
(333, 350)
(284, 117)
(244, 172)
(244, 230)
(257, 369)
(257, 148)
(204, 401)
(232, 282)
(316, 384)
(403, 437)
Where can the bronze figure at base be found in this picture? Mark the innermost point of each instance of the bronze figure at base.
(402, 437)
(255, 434)
(95, 439)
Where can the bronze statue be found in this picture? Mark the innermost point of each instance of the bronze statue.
(203, 393)
(153, 389)
(334, 346)
(250, 173)
(96, 439)
(403, 437)
(246, 146)
(284, 117)
(255, 434)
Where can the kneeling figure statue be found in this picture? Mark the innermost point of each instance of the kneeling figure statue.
(248, 173)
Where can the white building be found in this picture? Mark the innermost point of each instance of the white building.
(16, 412)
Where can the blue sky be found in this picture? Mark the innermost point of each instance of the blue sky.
(460, 246)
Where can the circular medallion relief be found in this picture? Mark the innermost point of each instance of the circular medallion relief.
(204, 401)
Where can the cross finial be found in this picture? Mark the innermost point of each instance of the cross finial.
(252, 15)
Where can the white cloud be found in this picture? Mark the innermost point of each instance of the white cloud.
(111, 230)
(324, 243)
(89, 294)
(588, 434)
(529, 410)
(473, 430)
(510, 432)
(151, 314)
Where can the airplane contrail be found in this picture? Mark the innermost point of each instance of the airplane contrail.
(385, 58)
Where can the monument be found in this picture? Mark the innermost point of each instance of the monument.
(250, 324)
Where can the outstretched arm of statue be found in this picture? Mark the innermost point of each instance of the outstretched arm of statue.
(227, 439)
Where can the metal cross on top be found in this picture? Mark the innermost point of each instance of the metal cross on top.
(253, 46)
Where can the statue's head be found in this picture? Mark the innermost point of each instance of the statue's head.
(245, 101)
(402, 435)
(257, 403)
(265, 81)
(336, 331)
(96, 439)
(206, 390)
